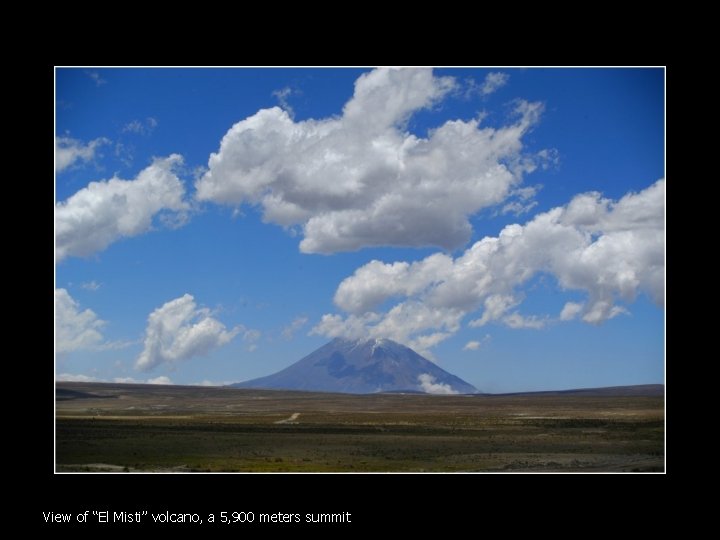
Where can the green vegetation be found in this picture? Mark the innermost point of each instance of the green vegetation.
(146, 428)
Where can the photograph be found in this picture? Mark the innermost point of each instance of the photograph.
(359, 270)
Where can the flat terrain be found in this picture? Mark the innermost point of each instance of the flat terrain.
(125, 427)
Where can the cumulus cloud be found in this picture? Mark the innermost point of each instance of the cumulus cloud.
(493, 82)
(105, 211)
(403, 323)
(474, 345)
(282, 96)
(131, 380)
(522, 198)
(494, 307)
(207, 382)
(160, 380)
(515, 320)
(610, 250)
(360, 179)
(517, 208)
(69, 151)
(75, 377)
(428, 385)
(289, 331)
(570, 311)
(75, 329)
(179, 330)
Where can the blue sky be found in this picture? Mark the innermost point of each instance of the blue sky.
(216, 225)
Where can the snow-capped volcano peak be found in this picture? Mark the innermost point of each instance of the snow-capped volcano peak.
(364, 366)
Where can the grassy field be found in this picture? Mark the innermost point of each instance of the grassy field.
(121, 427)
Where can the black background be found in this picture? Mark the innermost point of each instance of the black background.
(379, 503)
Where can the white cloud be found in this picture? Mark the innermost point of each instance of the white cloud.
(282, 96)
(521, 200)
(375, 282)
(602, 310)
(517, 208)
(179, 330)
(493, 82)
(515, 320)
(360, 179)
(494, 307)
(422, 343)
(126, 380)
(207, 382)
(79, 330)
(90, 286)
(160, 380)
(477, 344)
(145, 127)
(132, 380)
(293, 327)
(75, 329)
(403, 323)
(570, 310)
(351, 327)
(73, 377)
(612, 251)
(428, 384)
(68, 151)
(105, 211)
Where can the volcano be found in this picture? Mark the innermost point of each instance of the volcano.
(363, 367)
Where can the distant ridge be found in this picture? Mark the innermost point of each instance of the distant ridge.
(68, 390)
(618, 391)
(363, 366)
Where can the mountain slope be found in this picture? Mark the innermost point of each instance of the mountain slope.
(363, 367)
